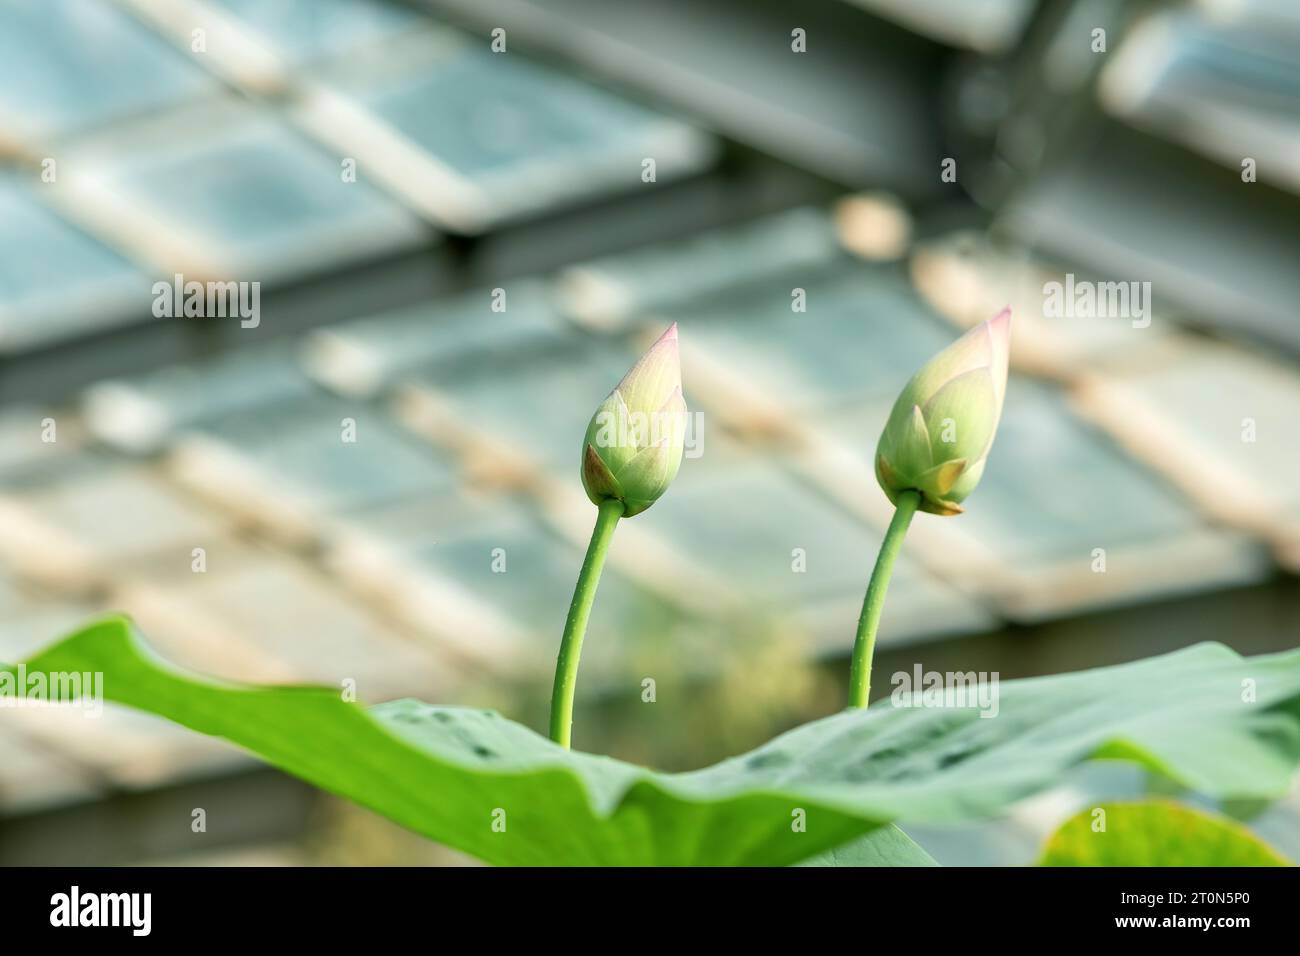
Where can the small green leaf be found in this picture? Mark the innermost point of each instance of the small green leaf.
(452, 773)
(1155, 833)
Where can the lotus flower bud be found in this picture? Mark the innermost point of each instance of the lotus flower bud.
(941, 428)
(634, 443)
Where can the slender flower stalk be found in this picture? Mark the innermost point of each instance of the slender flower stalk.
(931, 456)
(864, 646)
(630, 455)
(575, 627)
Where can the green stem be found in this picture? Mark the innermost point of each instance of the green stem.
(566, 665)
(865, 645)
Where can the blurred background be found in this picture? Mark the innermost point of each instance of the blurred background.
(467, 218)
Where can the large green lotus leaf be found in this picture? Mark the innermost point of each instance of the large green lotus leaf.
(1155, 833)
(451, 773)
(883, 846)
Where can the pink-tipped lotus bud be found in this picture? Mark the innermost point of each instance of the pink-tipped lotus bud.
(941, 428)
(634, 443)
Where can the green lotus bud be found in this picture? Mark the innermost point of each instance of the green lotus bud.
(941, 428)
(634, 443)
